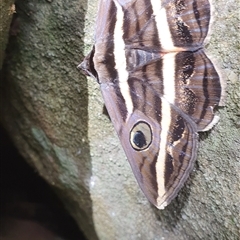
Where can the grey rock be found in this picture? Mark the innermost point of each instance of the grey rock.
(55, 116)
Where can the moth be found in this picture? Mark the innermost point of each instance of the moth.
(158, 85)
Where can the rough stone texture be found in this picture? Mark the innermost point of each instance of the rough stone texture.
(55, 117)
(7, 9)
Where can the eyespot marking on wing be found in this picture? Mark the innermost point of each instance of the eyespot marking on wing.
(141, 136)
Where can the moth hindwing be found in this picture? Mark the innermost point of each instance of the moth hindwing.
(159, 86)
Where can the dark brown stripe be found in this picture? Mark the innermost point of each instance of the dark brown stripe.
(205, 92)
(121, 103)
(197, 15)
(190, 101)
(109, 58)
(202, 16)
(137, 92)
(155, 84)
(153, 172)
(185, 62)
(169, 169)
(183, 152)
(178, 129)
(184, 36)
(135, 17)
(177, 133)
(180, 32)
(149, 175)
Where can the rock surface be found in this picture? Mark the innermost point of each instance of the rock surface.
(55, 117)
(7, 9)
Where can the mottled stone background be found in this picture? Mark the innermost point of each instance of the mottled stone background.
(54, 115)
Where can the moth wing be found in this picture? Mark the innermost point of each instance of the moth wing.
(188, 21)
(104, 28)
(188, 80)
(157, 101)
(198, 88)
(165, 24)
(107, 16)
(163, 165)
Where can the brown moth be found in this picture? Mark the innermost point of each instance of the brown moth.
(158, 85)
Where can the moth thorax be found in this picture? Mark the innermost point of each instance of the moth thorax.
(141, 136)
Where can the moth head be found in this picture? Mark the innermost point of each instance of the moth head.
(87, 66)
(141, 136)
